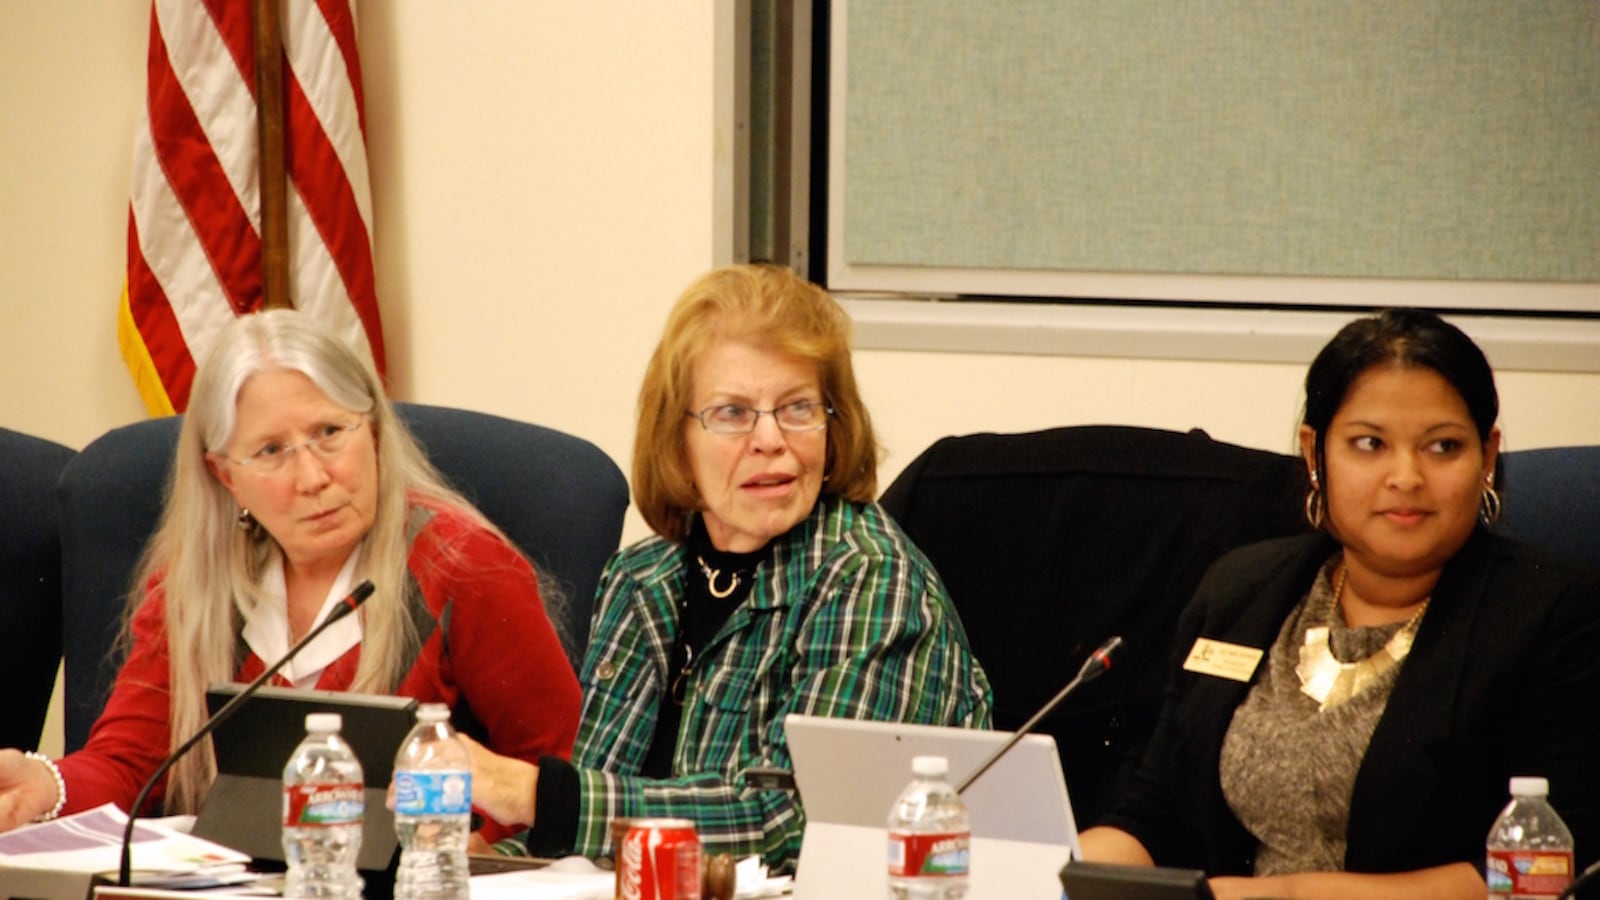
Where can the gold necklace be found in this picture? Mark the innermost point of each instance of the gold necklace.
(711, 579)
(1330, 682)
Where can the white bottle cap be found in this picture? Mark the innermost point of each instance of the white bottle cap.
(433, 712)
(1530, 786)
(323, 722)
(929, 766)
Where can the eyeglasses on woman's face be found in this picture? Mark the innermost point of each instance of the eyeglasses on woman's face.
(273, 457)
(735, 418)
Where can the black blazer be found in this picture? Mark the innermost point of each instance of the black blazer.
(1503, 679)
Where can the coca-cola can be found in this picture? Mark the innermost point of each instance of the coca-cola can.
(659, 860)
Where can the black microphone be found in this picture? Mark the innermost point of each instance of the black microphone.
(345, 607)
(1093, 667)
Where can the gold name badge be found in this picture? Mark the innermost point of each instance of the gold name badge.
(1221, 659)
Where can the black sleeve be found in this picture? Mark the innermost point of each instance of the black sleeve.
(555, 810)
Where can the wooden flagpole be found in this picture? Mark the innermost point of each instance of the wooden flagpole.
(270, 132)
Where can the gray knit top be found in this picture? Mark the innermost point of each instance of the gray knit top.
(1288, 769)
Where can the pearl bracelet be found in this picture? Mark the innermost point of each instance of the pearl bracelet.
(61, 786)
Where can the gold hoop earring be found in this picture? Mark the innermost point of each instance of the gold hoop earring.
(1316, 508)
(1489, 505)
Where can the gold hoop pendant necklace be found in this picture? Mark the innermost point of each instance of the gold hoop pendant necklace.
(711, 579)
(1330, 682)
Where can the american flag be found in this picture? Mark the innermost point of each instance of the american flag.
(194, 217)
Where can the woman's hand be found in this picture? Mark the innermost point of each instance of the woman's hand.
(502, 787)
(27, 789)
(1113, 845)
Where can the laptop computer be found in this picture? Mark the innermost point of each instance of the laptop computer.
(849, 772)
(244, 809)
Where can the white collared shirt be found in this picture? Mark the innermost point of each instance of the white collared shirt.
(266, 631)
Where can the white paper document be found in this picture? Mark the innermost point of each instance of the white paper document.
(91, 841)
(572, 878)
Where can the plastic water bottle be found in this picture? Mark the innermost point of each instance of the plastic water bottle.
(323, 801)
(1529, 847)
(432, 809)
(928, 836)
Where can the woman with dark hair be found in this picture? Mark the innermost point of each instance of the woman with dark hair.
(775, 585)
(1400, 665)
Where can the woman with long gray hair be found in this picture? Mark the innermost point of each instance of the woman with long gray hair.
(294, 481)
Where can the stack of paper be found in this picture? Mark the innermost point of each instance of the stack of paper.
(60, 859)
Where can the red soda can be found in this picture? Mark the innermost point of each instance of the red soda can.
(660, 860)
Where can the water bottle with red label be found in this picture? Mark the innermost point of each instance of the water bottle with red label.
(929, 836)
(1529, 848)
(323, 801)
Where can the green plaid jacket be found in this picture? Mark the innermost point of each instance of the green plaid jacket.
(846, 619)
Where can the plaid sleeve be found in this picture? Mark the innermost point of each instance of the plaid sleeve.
(883, 642)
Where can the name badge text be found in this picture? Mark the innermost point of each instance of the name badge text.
(1224, 660)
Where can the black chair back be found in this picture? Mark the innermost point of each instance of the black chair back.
(1053, 541)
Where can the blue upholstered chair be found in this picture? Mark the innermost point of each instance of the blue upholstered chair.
(30, 582)
(559, 497)
(1552, 500)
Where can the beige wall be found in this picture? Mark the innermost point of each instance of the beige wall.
(544, 175)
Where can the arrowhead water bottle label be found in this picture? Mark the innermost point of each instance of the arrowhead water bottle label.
(1528, 872)
(316, 805)
(927, 854)
(433, 793)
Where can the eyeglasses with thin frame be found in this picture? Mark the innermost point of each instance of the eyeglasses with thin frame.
(736, 418)
(331, 440)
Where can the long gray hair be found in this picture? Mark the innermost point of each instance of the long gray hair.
(210, 570)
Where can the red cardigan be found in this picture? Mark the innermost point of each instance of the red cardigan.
(503, 661)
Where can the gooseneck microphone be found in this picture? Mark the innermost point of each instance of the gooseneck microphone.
(346, 606)
(1093, 667)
